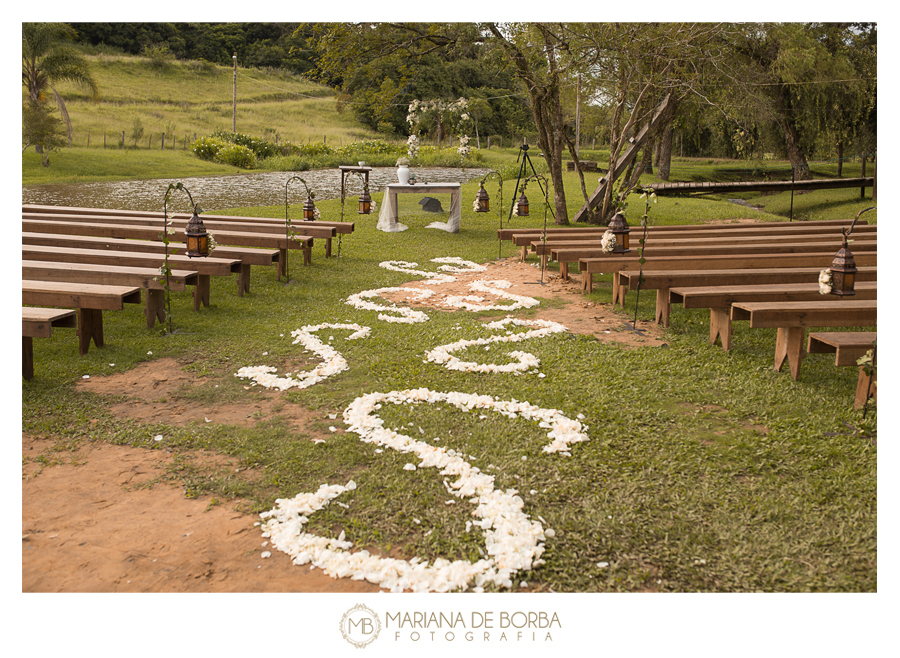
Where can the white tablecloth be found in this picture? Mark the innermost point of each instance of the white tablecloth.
(388, 217)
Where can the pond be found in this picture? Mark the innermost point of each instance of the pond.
(219, 192)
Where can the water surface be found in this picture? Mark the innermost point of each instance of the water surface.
(220, 192)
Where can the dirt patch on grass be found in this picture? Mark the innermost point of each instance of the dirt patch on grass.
(101, 518)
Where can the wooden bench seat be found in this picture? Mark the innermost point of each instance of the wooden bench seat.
(247, 255)
(90, 300)
(37, 323)
(848, 347)
(718, 299)
(610, 265)
(661, 281)
(205, 267)
(698, 248)
(792, 318)
(143, 277)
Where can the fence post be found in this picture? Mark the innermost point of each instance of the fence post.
(123, 140)
(163, 145)
(862, 188)
(89, 139)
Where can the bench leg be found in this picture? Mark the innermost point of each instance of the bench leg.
(587, 282)
(720, 327)
(201, 292)
(244, 280)
(156, 307)
(282, 264)
(307, 255)
(564, 271)
(327, 247)
(27, 357)
(789, 346)
(543, 261)
(90, 327)
(865, 388)
(662, 306)
(523, 254)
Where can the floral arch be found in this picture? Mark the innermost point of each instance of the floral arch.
(460, 121)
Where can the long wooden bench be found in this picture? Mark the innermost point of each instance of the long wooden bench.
(247, 255)
(233, 238)
(519, 236)
(718, 299)
(205, 267)
(315, 229)
(661, 281)
(37, 323)
(90, 300)
(143, 277)
(848, 347)
(699, 249)
(614, 264)
(792, 318)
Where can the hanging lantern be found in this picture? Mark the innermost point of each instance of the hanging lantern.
(522, 206)
(309, 209)
(482, 200)
(619, 228)
(365, 203)
(196, 237)
(843, 271)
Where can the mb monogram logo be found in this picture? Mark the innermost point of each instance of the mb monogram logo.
(360, 626)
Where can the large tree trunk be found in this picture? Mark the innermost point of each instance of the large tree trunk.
(663, 165)
(791, 135)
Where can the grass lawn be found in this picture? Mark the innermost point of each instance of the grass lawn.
(704, 470)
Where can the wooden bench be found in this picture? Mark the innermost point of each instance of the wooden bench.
(661, 281)
(701, 249)
(718, 299)
(205, 267)
(519, 237)
(36, 323)
(90, 300)
(228, 238)
(614, 264)
(792, 318)
(848, 347)
(143, 277)
(314, 229)
(247, 255)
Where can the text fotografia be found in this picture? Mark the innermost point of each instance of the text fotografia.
(479, 626)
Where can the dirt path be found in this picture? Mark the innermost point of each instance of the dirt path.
(93, 520)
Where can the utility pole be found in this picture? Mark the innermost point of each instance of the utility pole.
(234, 96)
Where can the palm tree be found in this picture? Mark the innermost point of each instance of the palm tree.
(47, 58)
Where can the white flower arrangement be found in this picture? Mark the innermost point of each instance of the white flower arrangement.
(825, 282)
(608, 242)
(450, 264)
(412, 146)
(404, 314)
(332, 362)
(495, 287)
(525, 360)
(211, 242)
(512, 540)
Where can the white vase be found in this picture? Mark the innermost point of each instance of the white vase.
(403, 174)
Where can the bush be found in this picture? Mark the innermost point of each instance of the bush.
(260, 147)
(207, 148)
(237, 156)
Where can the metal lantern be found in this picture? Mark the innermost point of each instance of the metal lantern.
(522, 206)
(309, 209)
(483, 200)
(196, 237)
(843, 271)
(619, 228)
(365, 203)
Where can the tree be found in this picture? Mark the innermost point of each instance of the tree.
(47, 58)
(41, 128)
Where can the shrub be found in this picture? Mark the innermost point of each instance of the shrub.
(237, 156)
(260, 147)
(206, 148)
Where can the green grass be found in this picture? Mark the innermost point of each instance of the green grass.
(706, 470)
